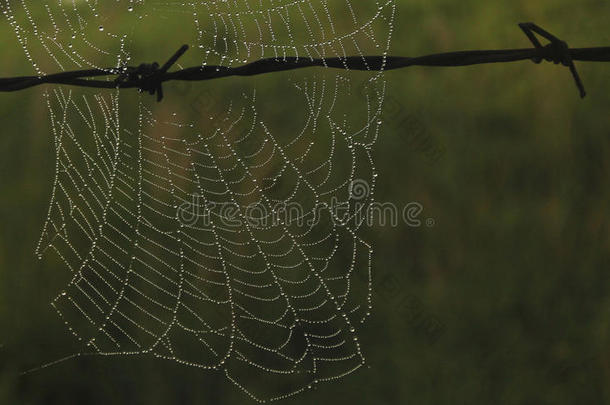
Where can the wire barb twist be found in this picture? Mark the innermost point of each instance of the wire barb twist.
(148, 77)
(556, 51)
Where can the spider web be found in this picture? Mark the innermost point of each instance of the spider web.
(213, 239)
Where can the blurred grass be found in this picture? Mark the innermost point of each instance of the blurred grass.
(515, 268)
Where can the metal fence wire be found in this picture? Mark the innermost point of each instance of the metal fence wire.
(150, 77)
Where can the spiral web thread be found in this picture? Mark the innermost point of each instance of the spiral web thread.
(176, 232)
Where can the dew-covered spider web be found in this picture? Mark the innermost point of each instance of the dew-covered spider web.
(220, 229)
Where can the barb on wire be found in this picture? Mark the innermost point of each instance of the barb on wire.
(150, 78)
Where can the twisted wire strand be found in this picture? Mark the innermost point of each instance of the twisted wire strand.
(150, 78)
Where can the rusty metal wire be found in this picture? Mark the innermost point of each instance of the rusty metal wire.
(150, 77)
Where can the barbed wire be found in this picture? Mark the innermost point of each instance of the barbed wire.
(150, 77)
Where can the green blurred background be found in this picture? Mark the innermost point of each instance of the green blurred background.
(504, 300)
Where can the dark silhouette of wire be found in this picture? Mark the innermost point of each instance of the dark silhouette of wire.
(150, 77)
